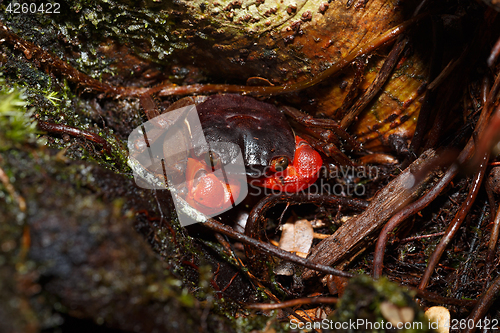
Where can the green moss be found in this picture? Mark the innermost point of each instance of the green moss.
(16, 124)
(362, 300)
(260, 324)
(28, 91)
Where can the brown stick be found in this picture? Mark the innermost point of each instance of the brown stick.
(488, 135)
(465, 154)
(354, 88)
(292, 303)
(10, 188)
(73, 131)
(433, 297)
(493, 242)
(256, 221)
(495, 52)
(414, 238)
(403, 189)
(271, 249)
(492, 189)
(483, 304)
(455, 224)
(375, 86)
(425, 113)
(402, 215)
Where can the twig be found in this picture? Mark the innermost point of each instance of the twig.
(430, 296)
(401, 216)
(292, 303)
(425, 112)
(265, 247)
(382, 76)
(495, 52)
(354, 89)
(256, 222)
(350, 236)
(483, 305)
(421, 203)
(455, 224)
(495, 230)
(271, 249)
(10, 188)
(414, 238)
(73, 131)
(489, 135)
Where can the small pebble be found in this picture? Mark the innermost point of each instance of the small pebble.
(307, 16)
(323, 7)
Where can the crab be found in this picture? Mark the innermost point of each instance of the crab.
(275, 155)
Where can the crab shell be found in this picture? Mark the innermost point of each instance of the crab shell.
(259, 129)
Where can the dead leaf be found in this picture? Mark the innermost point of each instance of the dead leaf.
(315, 314)
(297, 237)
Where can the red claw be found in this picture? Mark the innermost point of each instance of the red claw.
(206, 192)
(299, 175)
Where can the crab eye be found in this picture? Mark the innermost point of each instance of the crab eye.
(279, 164)
(212, 160)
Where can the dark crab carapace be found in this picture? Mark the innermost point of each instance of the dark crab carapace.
(258, 128)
